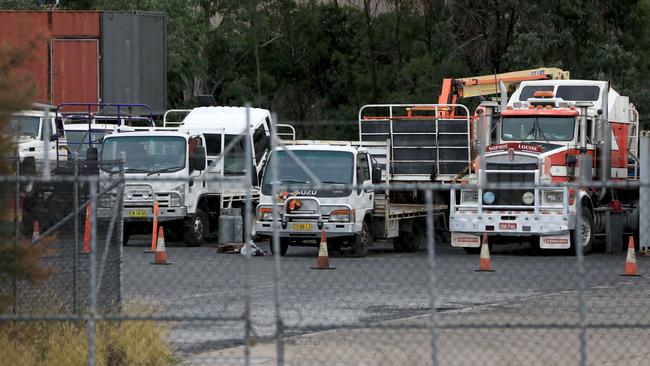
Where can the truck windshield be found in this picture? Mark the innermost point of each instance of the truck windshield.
(77, 140)
(25, 125)
(329, 166)
(537, 128)
(145, 154)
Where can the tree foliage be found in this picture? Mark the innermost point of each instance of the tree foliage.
(315, 60)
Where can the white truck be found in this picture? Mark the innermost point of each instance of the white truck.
(397, 144)
(350, 217)
(189, 211)
(30, 128)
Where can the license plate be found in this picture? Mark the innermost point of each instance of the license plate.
(507, 226)
(138, 214)
(302, 227)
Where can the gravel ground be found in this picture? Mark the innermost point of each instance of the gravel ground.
(383, 288)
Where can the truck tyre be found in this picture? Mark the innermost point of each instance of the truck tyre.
(284, 246)
(28, 169)
(397, 245)
(413, 239)
(196, 229)
(362, 241)
(586, 230)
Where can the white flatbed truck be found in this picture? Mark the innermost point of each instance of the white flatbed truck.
(347, 208)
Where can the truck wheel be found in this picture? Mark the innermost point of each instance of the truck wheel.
(362, 241)
(586, 231)
(196, 229)
(413, 240)
(397, 245)
(284, 246)
(28, 169)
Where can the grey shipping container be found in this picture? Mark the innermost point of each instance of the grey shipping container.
(134, 67)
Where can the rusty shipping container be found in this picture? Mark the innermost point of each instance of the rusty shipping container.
(82, 56)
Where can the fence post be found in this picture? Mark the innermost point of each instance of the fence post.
(92, 293)
(75, 255)
(16, 229)
(580, 267)
(275, 242)
(431, 248)
(644, 197)
(247, 237)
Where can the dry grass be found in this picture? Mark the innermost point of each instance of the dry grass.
(66, 343)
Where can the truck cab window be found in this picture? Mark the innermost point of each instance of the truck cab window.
(212, 144)
(260, 143)
(234, 163)
(363, 173)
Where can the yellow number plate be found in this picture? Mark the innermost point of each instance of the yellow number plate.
(138, 213)
(302, 227)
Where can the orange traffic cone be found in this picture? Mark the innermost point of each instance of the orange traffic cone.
(154, 231)
(161, 254)
(484, 263)
(36, 232)
(323, 261)
(86, 244)
(630, 262)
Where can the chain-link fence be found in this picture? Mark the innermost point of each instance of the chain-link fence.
(410, 299)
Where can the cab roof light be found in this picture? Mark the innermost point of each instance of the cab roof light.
(543, 94)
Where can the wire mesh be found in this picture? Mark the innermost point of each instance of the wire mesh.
(416, 301)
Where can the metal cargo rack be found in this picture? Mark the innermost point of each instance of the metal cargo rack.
(426, 142)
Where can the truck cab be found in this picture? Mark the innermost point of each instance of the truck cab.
(305, 210)
(29, 126)
(156, 154)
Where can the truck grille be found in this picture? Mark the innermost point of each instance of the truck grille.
(511, 196)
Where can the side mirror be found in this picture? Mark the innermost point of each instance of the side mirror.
(197, 161)
(376, 175)
(54, 137)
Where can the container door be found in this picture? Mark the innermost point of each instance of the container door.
(75, 71)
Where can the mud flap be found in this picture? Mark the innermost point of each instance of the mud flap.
(555, 241)
(465, 240)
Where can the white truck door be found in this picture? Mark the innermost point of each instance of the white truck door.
(364, 191)
(214, 143)
(260, 150)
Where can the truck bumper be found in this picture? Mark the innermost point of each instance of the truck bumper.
(146, 213)
(507, 224)
(306, 229)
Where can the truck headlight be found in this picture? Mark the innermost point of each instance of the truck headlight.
(175, 200)
(177, 196)
(554, 197)
(528, 198)
(472, 179)
(469, 197)
(265, 214)
(489, 197)
(341, 216)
